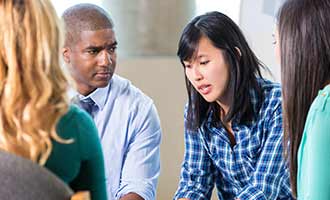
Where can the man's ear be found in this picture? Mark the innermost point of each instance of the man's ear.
(66, 54)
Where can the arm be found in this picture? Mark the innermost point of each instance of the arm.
(141, 165)
(270, 176)
(315, 154)
(131, 196)
(197, 172)
(91, 175)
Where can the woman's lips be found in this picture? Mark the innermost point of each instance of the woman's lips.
(204, 89)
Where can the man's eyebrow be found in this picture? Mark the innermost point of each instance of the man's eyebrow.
(113, 44)
(94, 47)
(101, 47)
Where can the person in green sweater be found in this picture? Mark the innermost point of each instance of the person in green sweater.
(36, 120)
(303, 48)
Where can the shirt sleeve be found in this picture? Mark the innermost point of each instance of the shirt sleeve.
(91, 175)
(270, 178)
(141, 165)
(314, 183)
(197, 170)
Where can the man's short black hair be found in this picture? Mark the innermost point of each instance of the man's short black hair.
(84, 17)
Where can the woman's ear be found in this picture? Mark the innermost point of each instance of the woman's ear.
(238, 52)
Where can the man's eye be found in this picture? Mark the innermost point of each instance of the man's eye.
(92, 51)
(112, 49)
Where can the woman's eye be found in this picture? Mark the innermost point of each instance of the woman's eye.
(274, 39)
(204, 62)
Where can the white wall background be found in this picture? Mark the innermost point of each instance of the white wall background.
(257, 22)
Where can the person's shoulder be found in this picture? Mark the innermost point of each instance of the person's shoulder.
(318, 116)
(321, 103)
(75, 117)
(71, 121)
(74, 113)
(271, 90)
(126, 89)
(78, 125)
(272, 97)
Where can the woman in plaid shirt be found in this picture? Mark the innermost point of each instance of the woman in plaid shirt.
(233, 119)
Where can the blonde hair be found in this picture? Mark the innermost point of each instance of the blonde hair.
(32, 84)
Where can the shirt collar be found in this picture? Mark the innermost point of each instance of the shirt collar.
(99, 96)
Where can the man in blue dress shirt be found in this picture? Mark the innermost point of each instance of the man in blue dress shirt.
(126, 119)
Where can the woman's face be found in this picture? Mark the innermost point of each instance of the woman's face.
(277, 45)
(208, 72)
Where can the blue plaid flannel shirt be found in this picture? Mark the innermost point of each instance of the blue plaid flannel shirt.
(254, 169)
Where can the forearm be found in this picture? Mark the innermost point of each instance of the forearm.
(197, 174)
(131, 196)
(195, 183)
(141, 166)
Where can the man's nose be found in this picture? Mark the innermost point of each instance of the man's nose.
(105, 58)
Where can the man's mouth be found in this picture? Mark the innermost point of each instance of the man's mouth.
(103, 74)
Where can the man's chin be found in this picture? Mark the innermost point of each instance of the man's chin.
(102, 84)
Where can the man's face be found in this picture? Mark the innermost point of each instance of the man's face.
(92, 59)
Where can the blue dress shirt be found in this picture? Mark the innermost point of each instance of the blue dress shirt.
(130, 133)
(253, 169)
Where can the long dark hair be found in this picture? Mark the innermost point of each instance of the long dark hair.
(304, 28)
(244, 68)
